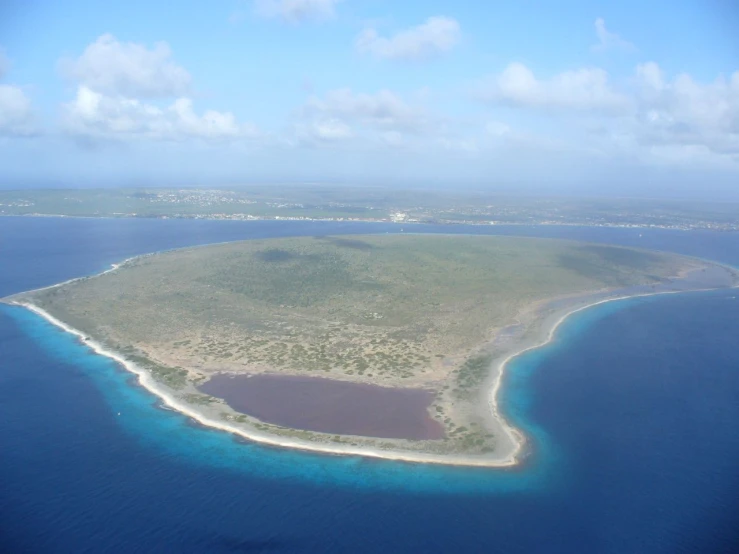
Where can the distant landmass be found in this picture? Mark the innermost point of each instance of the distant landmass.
(391, 346)
(369, 204)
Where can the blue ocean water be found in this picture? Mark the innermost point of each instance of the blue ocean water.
(632, 410)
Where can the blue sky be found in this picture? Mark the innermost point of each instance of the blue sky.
(560, 96)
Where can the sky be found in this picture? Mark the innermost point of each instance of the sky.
(625, 98)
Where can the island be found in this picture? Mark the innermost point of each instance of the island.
(380, 204)
(392, 346)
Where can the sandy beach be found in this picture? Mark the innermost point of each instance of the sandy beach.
(537, 329)
(511, 441)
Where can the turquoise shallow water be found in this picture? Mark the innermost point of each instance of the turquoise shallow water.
(144, 419)
(632, 410)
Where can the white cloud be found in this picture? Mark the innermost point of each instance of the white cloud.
(656, 111)
(500, 136)
(118, 84)
(651, 118)
(608, 40)
(366, 121)
(582, 89)
(436, 36)
(128, 69)
(650, 76)
(383, 110)
(296, 11)
(332, 129)
(682, 111)
(322, 131)
(16, 115)
(93, 115)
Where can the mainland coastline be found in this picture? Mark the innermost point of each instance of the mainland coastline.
(544, 319)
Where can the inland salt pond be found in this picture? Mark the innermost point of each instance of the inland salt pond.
(405, 313)
(329, 406)
(606, 396)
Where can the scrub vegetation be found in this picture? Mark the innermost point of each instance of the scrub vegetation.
(373, 307)
(394, 310)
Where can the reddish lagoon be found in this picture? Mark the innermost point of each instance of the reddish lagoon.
(329, 406)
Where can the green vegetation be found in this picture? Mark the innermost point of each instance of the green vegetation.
(386, 308)
(471, 374)
(174, 377)
(202, 399)
(394, 310)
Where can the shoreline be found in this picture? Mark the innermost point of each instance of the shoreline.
(147, 382)
(490, 223)
(498, 367)
(516, 438)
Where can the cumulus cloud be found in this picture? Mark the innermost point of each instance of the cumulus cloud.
(383, 110)
(16, 114)
(650, 77)
(651, 117)
(128, 69)
(653, 111)
(608, 40)
(329, 130)
(436, 36)
(296, 11)
(93, 115)
(683, 111)
(121, 91)
(581, 89)
(344, 116)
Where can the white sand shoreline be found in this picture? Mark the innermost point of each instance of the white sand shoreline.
(146, 381)
(516, 436)
(506, 460)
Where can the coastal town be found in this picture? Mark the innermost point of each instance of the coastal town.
(372, 205)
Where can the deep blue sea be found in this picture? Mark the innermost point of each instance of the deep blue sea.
(634, 410)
